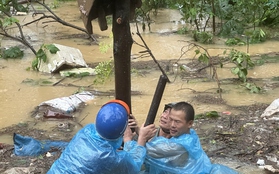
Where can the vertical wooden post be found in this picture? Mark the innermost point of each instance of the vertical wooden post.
(213, 18)
(122, 45)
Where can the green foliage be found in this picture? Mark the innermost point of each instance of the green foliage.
(13, 52)
(104, 71)
(253, 88)
(8, 21)
(234, 16)
(5, 6)
(104, 47)
(202, 57)
(259, 62)
(134, 71)
(223, 9)
(258, 36)
(267, 59)
(41, 55)
(183, 30)
(143, 13)
(109, 20)
(151, 7)
(51, 48)
(195, 12)
(243, 62)
(155, 4)
(55, 4)
(242, 13)
(234, 41)
(73, 74)
(210, 114)
(232, 27)
(203, 37)
(79, 90)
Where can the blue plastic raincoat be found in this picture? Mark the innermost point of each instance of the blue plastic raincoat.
(88, 153)
(180, 155)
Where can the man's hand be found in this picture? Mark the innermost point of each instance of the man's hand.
(128, 134)
(133, 124)
(145, 133)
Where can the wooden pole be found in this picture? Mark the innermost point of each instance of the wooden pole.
(122, 45)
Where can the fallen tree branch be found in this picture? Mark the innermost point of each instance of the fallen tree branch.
(211, 64)
(57, 19)
(22, 38)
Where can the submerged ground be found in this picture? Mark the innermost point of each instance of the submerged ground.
(243, 138)
(237, 139)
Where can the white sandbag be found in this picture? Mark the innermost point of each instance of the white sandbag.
(71, 103)
(272, 111)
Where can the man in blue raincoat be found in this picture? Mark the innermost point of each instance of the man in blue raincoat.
(182, 153)
(94, 149)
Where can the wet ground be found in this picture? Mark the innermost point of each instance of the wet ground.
(238, 138)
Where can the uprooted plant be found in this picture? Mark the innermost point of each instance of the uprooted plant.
(243, 63)
(203, 56)
(241, 60)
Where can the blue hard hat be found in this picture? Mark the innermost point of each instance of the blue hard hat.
(112, 119)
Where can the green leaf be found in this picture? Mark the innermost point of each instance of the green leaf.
(35, 63)
(103, 71)
(242, 74)
(239, 60)
(41, 55)
(225, 52)
(46, 82)
(235, 70)
(203, 58)
(212, 114)
(262, 33)
(9, 21)
(52, 48)
(83, 74)
(13, 52)
(21, 8)
(221, 64)
(253, 88)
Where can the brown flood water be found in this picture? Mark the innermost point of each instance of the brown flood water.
(18, 99)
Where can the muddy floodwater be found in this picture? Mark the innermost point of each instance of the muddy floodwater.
(18, 99)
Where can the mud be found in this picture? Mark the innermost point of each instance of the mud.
(242, 137)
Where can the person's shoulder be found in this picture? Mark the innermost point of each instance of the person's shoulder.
(89, 126)
(192, 135)
(193, 132)
(88, 129)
